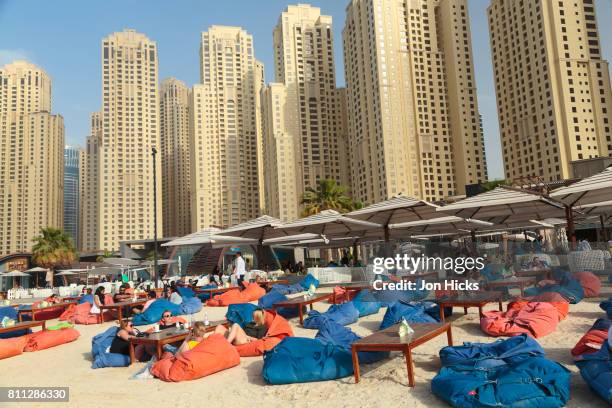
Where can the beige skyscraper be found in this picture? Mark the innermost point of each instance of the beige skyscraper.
(552, 85)
(83, 162)
(304, 142)
(31, 157)
(412, 106)
(129, 131)
(90, 203)
(224, 110)
(175, 153)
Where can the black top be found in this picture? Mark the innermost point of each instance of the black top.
(254, 330)
(120, 346)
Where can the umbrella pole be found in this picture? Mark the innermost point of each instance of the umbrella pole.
(571, 235)
(604, 233)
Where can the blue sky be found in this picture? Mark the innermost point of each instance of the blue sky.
(63, 37)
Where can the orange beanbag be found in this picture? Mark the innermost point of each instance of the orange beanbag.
(590, 283)
(45, 339)
(12, 347)
(592, 337)
(555, 299)
(278, 329)
(251, 292)
(213, 354)
(68, 313)
(535, 319)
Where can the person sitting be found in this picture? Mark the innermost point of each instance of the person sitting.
(166, 321)
(122, 296)
(195, 336)
(98, 301)
(53, 299)
(121, 342)
(175, 297)
(253, 331)
(151, 297)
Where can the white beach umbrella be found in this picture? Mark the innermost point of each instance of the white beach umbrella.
(328, 223)
(208, 236)
(590, 190)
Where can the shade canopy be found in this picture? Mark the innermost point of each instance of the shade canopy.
(37, 269)
(396, 210)
(441, 225)
(121, 261)
(601, 208)
(14, 274)
(260, 229)
(208, 236)
(66, 273)
(328, 223)
(590, 190)
(159, 262)
(506, 206)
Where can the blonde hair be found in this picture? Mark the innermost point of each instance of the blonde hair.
(199, 329)
(259, 317)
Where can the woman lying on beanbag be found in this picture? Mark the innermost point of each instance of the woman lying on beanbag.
(253, 331)
(195, 337)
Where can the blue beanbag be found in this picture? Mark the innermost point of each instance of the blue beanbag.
(191, 305)
(596, 370)
(489, 355)
(365, 303)
(333, 333)
(269, 299)
(87, 298)
(206, 296)
(606, 306)
(309, 279)
(241, 313)
(345, 313)
(413, 312)
(154, 312)
(288, 289)
(11, 313)
(298, 360)
(388, 297)
(531, 382)
(185, 292)
(99, 344)
(568, 287)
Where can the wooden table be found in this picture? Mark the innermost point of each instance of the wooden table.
(389, 340)
(33, 310)
(476, 299)
(166, 336)
(535, 273)
(521, 283)
(119, 307)
(23, 326)
(302, 301)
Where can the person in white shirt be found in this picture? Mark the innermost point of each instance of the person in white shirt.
(239, 268)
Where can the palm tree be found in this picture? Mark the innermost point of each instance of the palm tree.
(328, 196)
(53, 248)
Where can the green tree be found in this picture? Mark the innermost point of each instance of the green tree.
(53, 248)
(328, 196)
(490, 185)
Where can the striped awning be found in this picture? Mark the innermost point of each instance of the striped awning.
(590, 190)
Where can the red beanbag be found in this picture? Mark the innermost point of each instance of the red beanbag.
(252, 292)
(278, 329)
(68, 313)
(590, 283)
(555, 299)
(45, 339)
(536, 319)
(12, 347)
(213, 354)
(592, 337)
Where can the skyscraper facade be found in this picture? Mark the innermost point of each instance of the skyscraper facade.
(552, 85)
(412, 107)
(304, 144)
(175, 154)
(224, 109)
(129, 130)
(71, 193)
(31, 157)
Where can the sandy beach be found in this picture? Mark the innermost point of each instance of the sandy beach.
(382, 384)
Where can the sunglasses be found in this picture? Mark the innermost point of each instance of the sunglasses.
(167, 316)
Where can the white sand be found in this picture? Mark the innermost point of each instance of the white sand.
(382, 384)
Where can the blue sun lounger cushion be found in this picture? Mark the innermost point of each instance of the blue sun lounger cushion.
(154, 312)
(345, 313)
(300, 360)
(333, 333)
(99, 346)
(531, 382)
(596, 370)
(413, 312)
(489, 355)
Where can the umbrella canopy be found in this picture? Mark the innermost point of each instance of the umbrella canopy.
(208, 236)
(66, 273)
(37, 269)
(328, 223)
(590, 190)
(506, 205)
(159, 262)
(396, 210)
(441, 225)
(14, 274)
(121, 261)
(601, 208)
(260, 229)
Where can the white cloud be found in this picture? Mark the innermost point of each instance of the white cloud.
(8, 56)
